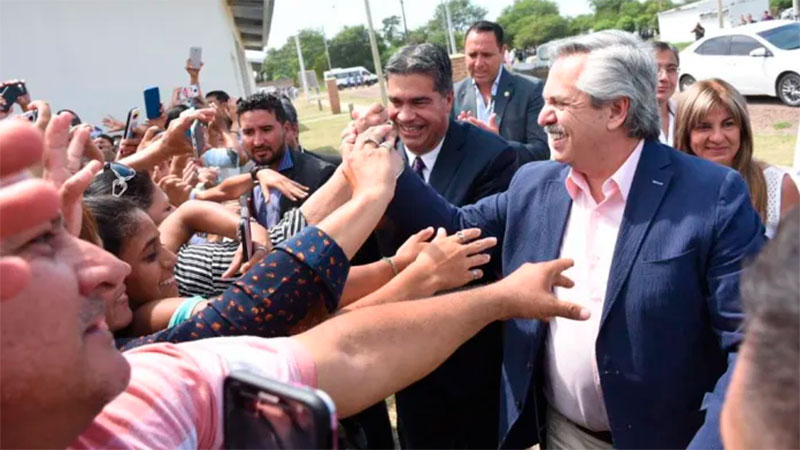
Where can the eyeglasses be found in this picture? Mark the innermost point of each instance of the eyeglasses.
(123, 174)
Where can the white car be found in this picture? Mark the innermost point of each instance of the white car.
(762, 58)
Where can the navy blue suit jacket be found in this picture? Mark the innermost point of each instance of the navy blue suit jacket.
(672, 314)
(517, 104)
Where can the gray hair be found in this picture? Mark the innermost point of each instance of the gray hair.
(771, 382)
(426, 59)
(619, 65)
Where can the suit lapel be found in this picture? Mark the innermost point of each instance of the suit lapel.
(293, 173)
(650, 182)
(558, 204)
(468, 98)
(449, 158)
(505, 90)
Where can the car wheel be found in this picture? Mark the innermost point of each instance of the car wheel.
(789, 89)
(686, 81)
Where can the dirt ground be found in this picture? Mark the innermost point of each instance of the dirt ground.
(766, 112)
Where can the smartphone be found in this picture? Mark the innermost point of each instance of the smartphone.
(195, 57)
(198, 137)
(131, 123)
(264, 413)
(152, 103)
(10, 94)
(245, 235)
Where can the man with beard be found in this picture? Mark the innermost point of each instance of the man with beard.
(263, 124)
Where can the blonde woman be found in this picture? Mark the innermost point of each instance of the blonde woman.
(712, 122)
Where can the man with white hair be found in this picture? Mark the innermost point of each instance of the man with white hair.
(658, 238)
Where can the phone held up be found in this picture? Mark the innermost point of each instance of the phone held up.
(152, 103)
(245, 235)
(197, 133)
(131, 123)
(195, 57)
(11, 93)
(264, 413)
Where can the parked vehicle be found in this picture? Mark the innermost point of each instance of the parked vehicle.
(762, 58)
(351, 77)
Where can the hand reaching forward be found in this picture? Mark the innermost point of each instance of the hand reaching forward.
(492, 126)
(451, 261)
(527, 293)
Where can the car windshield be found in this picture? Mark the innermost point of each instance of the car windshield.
(786, 37)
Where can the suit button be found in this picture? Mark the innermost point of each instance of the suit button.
(529, 366)
(519, 405)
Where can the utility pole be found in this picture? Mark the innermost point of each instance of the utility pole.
(405, 27)
(719, 13)
(302, 65)
(376, 57)
(327, 54)
(450, 28)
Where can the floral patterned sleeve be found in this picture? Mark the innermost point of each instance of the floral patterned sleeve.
(293, 288)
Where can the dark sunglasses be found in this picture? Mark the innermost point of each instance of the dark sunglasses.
(123, 174)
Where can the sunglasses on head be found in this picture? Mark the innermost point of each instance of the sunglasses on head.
(123, 174)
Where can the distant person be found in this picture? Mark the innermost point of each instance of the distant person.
(713, 123)
(105, 144)
(497, 99)
(742, 20)
(667, 64)
(762, 407)
(766, 16)
(699, 32)
(750, 19)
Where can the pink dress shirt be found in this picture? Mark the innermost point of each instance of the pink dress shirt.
(573, 383)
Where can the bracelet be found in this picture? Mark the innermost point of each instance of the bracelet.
(391, 264)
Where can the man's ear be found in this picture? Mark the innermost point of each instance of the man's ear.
(449, 99)
(618, 112)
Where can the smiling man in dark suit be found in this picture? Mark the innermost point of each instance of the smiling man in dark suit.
(456, 406)
(658, 239)
(498, 100)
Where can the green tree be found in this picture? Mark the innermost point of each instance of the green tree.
(526, 13)
(462, 14)
(536, 30)
(391, 31)
(581, 24)
(283, 63)
(350, 47)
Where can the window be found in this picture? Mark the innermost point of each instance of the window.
(786, 37)
(716, 46)
(743, 45)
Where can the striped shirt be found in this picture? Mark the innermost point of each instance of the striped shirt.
(200, 266)
(175, 396)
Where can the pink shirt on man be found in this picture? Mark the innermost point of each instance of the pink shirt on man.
(174, 399)
(573, 383)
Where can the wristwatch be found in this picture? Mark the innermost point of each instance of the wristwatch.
(254, 172)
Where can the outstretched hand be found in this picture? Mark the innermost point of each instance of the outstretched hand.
(528, 292)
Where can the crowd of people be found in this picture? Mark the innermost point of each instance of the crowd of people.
(588, 262)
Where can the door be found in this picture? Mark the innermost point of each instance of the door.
(749, 72)
(713, 59)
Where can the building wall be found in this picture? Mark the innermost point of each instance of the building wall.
(459, 67)
(97, 56)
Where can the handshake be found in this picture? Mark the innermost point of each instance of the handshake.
(369, 160)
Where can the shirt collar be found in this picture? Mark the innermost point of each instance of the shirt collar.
(286, 162)
(428, 158)
(622, 179)
(495, 84)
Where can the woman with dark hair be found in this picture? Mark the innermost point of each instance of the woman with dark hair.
(713, 123)
(294, 287)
